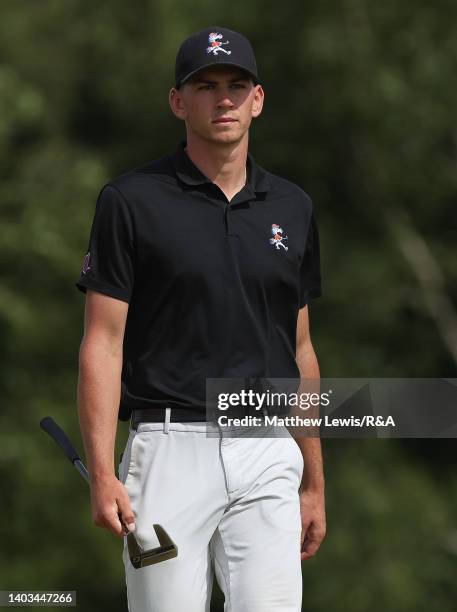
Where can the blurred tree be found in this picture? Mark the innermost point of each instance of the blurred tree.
(359, 111)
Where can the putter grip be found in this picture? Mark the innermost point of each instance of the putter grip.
(48, 425)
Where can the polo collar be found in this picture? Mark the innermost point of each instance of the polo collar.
(190, 174)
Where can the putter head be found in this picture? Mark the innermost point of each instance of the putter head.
(141, 558)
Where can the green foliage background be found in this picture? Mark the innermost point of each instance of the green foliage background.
(360, 111)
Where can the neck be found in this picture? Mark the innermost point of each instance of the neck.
(223, 163)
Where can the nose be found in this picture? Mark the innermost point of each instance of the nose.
(224, 101)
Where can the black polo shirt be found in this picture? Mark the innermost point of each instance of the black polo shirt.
(214, 287)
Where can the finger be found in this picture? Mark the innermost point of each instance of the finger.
(305, 556)
(126, 514)
(125, 529)
(305, 526)
(116, 524)
(117, 527)
(310, 548)
(109, 519)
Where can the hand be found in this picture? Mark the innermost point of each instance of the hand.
(312, 511)
(110, 504)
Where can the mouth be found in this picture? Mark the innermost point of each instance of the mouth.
(224, 120)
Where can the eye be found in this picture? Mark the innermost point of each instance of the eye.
(238, 85)
(204, 87)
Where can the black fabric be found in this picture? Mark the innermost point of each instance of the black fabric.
(310, 269)
(214, 46)
(214, 287)
(109, 263)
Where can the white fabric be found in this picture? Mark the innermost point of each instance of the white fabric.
(230, 504)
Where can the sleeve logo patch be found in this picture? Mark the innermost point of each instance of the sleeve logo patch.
(278, 237)
(86, 263)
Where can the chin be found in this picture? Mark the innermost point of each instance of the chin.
(226, 137)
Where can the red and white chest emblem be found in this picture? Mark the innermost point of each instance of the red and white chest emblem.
(278, 237)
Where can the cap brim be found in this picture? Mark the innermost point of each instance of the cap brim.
(191, 74)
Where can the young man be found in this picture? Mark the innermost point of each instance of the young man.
(201, 265)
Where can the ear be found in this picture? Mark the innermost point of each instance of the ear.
(257, 103)
(177, 104)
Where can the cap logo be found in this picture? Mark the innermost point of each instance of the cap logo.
(86, 262)
(278, 237)
(216, 44)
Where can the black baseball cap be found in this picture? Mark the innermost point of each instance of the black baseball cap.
(213, 46)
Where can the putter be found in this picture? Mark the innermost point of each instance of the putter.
(138, 556)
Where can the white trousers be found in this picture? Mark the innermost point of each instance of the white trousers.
(230, 504)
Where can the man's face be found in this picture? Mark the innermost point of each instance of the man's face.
(214, 94)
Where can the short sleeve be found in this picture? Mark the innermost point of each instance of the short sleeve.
(108, 265)
(310, 268)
